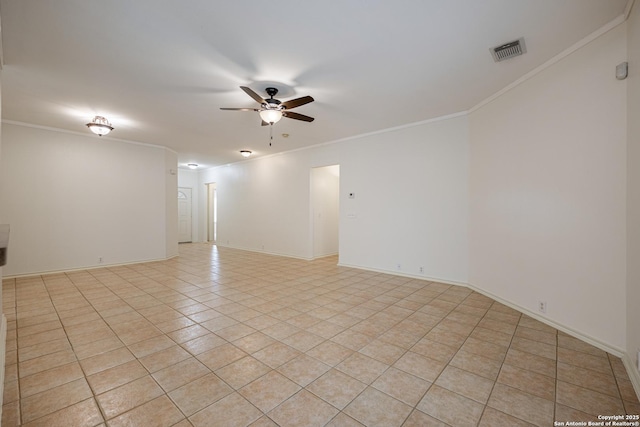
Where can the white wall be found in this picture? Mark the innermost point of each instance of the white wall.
(548, 191)
(411, 187)
(325, 210)
(633, 194)
(71, 199)
(411, 201)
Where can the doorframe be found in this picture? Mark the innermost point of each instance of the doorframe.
(212, 211)
(312, 213)
(190, 215)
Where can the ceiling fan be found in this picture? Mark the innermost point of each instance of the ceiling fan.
(272, 110)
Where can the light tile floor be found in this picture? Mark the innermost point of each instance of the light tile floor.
(222, 337)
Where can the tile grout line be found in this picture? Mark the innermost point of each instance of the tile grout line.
(243, 289)
(501, 366)
(93, 395)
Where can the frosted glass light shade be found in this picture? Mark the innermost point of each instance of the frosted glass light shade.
(271, 116)
(100, 126)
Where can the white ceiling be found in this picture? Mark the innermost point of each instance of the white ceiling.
(160, 70)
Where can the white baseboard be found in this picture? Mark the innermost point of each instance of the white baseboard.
(261, 251)
(324, 256)
(89, 267)
(3, 348)
(401, 274)
(632, 370)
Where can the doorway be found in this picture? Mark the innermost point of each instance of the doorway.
(212, 212)
(325, 210)
(184, 215)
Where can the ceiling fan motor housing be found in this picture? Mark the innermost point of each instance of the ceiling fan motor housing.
(271, 103)
(271, 91)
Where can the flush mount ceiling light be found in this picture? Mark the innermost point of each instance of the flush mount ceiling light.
(100, 126)
(245, 153)
(192, 165)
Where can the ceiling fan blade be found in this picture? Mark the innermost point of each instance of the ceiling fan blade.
(293, 103)
(297, 116)
(254, 95)
(265, 123)
(240, 109)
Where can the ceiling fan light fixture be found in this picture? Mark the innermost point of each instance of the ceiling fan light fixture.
(272, 110)
(245, 153)
(100, 126)
(271, 116)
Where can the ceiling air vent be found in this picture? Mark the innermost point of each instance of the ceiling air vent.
(508, 50)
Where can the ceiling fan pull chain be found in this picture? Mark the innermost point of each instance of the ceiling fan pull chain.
(270, 134)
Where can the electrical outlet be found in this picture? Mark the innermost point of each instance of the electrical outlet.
(398, 267)
(421, 270)
(542, 306)
(99, 260)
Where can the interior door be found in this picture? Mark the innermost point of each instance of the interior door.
(184, 215)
